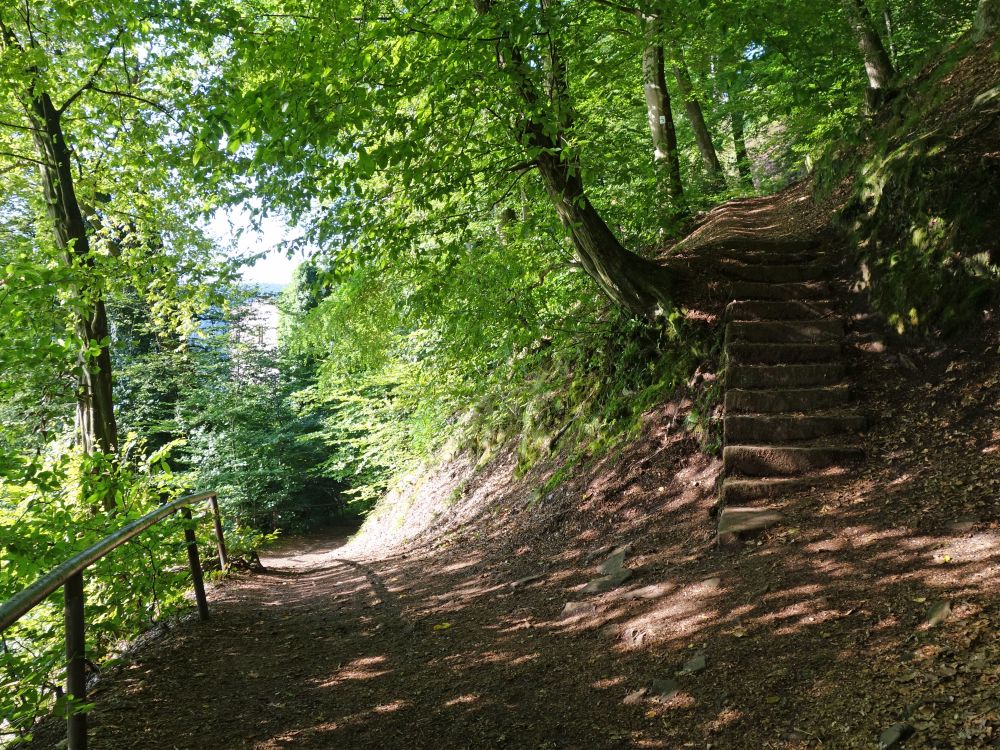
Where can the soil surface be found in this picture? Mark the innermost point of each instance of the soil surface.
(459, 617)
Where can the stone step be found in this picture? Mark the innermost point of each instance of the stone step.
(745, 491)
(788, 428)
(735, 521)
(786, 400)
(778, 376)
(785, 331)
(769, 310)
(776, 354)
(762, 245)
(773, 257)
(772, 274)
(759, 290)
(781, 460)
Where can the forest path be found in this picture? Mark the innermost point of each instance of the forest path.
(814, 634)
(317, 652)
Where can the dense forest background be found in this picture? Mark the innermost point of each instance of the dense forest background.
(486, 187)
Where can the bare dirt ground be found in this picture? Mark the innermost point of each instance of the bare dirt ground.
(445, 624)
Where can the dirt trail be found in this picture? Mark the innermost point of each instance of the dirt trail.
(814, 634)
(317, 653)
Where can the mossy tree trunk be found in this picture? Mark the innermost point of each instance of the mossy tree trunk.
(878, 66)
(987, 18)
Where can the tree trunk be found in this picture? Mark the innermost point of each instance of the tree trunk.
(890, 30)
(987, 19)
(95, 418)
(696, 117)
(661, 119)
(740, 142)
(878, 66)
(631, 281)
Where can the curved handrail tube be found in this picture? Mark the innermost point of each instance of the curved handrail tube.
(69, 575)
(27, 599)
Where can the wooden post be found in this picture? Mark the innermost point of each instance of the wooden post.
(220, 539)
(197, 577)
(76, 675)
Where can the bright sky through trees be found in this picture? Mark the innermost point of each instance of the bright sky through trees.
(275, 267)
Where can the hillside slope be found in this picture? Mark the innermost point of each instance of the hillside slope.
(588, 604)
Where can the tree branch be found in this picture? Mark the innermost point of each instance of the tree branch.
(619, 7)
(22, 157)
(92, 77)
(15, 126)
(126, 95)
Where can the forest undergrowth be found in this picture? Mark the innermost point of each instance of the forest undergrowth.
(503, 321)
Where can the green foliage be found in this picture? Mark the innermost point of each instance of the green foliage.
(924, 202)
(51, 513)
(445, 301)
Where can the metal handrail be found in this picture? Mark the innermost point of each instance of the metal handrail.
(69, 575)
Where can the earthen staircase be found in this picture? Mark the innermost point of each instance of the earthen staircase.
(788, 422)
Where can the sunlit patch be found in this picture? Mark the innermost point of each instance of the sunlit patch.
(811, 619)
(677, 617)
(607, 682)
(653, 591)
(507, 657)
(359, 669)
(726, 717)
(903, 479)
(976, 548)
(797, 592)
(681, 700)
(460, 565)
(863, 536)
(388, 708)
(463, 700)
(826, 545)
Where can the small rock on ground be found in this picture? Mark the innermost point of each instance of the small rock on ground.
(893, 737)
(608, 582)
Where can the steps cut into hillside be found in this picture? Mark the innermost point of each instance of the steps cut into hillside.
(788, 422)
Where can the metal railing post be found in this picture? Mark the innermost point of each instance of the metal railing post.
(197, 577)
(76, 675)
(68, 575)
(220, 539)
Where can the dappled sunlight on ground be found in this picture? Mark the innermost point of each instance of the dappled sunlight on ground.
(876, 601)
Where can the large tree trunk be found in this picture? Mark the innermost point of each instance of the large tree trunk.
(878, 66)
(661, 119)
(95, 418)
(702, 137)
(631, 281)
(987, 18)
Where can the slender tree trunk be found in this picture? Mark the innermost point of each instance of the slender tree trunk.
(878, 66)
(987, 18)
(702, 137)
(626, 278)
(740, 142)
(661, 119)
(890, 30)
(95, 418)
